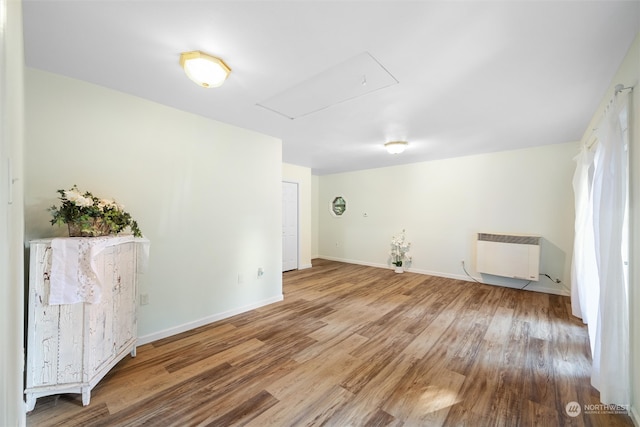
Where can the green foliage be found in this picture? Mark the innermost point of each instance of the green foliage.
(92, 215)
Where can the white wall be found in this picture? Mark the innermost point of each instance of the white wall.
(443, 203)
(12, 409)
(629, 75)
(207, 194)
(301, 176)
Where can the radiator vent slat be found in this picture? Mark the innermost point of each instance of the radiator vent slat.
(509, 238)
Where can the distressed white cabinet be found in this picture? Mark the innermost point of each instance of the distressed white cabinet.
(71, 347)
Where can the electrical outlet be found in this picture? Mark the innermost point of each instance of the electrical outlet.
(144, 299)
(260, 272)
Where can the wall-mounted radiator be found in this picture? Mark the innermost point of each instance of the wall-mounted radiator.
(508, 255)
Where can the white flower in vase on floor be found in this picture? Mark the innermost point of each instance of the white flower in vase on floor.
(400, 250)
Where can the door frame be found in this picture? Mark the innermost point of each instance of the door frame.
(297, 184)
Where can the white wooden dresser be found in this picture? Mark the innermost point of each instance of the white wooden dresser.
(71, 347)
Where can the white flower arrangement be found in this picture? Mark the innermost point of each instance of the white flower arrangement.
(88, 215)
(400, 250)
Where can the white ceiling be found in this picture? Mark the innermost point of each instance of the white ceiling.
(473, 76)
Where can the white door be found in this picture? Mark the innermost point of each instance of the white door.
(289, 226)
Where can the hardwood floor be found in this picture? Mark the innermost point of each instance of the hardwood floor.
(358, 346)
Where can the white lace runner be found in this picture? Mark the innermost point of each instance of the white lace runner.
(74, 274)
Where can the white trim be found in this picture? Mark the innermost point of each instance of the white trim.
(352, 261)
(635, 417)
(298, 244)
(388, 267)
(531, 287)
(304, 266)
(205, 321)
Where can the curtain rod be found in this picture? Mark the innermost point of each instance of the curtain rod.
(593, 139)
(620, 87)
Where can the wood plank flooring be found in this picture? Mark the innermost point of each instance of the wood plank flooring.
(358, 346)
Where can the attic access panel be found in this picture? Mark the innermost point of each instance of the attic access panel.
(350, 79)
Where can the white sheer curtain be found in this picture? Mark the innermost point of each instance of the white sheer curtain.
(599, 278)
(585, 286)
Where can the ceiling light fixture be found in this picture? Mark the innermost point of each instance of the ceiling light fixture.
(205, 70)
(396, 147)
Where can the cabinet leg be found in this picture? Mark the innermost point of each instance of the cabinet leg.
(31, 402)
(133, 352)
(86, 396)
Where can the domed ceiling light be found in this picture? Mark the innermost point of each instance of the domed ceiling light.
(396, 147)
(205, 70)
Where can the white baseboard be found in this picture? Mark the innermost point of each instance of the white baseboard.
(388, 267)
(635, 417)
(204, 321)
(533, 286)
(353, 261)
(441, 274)
(304, 266)
(549, 290)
